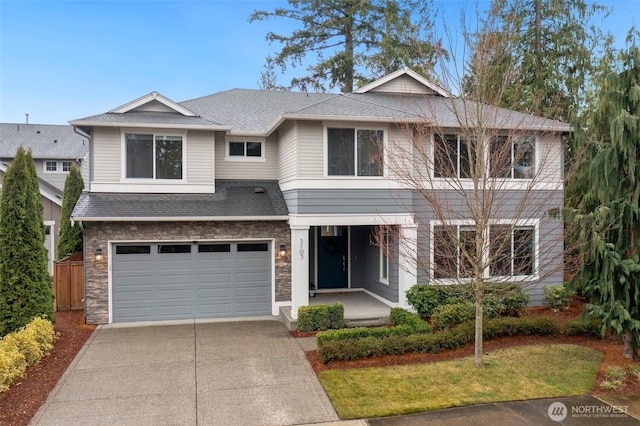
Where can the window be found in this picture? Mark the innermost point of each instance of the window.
(66, 166)
(513, 160)
(214, 248)
(354, 152)
(133, 249)
(450, 259)
(153, 156)
(253, 247)
(245, 149)
(512, 251)
(174, 248)
(384, 259)
(50, 166)
(451, 157)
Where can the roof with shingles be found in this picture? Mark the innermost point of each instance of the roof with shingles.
(232, 199)
(47, 141)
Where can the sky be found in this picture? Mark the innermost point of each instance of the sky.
(63, 60)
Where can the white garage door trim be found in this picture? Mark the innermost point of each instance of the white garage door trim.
(113, 243)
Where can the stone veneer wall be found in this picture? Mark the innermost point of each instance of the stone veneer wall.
(98, 234)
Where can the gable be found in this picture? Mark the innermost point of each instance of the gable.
(405, 81)
(153, 102)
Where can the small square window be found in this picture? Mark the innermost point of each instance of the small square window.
(236, 149)
(254, 149)
(51, 166)
(66, 166)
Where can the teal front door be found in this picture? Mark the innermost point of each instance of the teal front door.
(333, 267)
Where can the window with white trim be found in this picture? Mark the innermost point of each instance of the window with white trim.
(66, 166)
(452, 156)
(249, 150)
(512, 251)
(355, 152)
(384, 258)
(50, 166)
(153, 156)
(513, 157)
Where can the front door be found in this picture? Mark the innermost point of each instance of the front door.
(333, 264)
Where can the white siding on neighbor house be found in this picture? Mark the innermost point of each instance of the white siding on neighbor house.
(311, 150)
(267, 169)
(107, 150)
(403, 84)
(199, 162)
(288, 151)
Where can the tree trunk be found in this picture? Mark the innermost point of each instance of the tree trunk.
(478, 345)
(628, 350)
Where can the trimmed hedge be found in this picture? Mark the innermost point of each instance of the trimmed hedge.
(405, 323)
(350, 349)
(447, 316)
(578, 326)
(24, 348)
(320, 317)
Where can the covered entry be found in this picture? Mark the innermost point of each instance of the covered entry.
(169, 281)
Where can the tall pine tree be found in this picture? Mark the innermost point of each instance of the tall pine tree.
(25, 284)
(608, 188)
(70, 237)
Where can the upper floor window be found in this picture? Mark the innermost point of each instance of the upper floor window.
(66, 166)
(50, 166)
(451, 157)
(237, 150)
(153, 156)
(354, 152)
(513, 157)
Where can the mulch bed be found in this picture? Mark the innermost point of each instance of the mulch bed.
(21, 401)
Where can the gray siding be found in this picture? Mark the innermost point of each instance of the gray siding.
(288, 152)
(509, 205)
(348, 201)
(365, 265)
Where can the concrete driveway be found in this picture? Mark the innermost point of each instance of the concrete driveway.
(222, 373)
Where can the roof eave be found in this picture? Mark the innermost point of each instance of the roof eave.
(88, 123)
(178, 218)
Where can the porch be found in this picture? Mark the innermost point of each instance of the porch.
(360, 309)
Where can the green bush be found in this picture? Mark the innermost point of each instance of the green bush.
(501, 298)
(592, 328)
(447, 316)
(424, 299)
(400, 317)
(350, 349)
(23, 348)
(557, 297)
(320, 317)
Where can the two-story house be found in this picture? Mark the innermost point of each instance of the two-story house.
(237, 203)
(55, 148)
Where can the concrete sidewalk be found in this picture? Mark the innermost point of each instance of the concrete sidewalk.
(222, 373)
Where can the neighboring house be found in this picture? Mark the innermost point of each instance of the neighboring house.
(54, 149)
(237, 203)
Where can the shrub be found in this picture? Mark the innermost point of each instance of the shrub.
(615, 373)
(400, 317)
(557, 297)
(320, 317)
(424, 299)
(513, 302)
(350, 349)
(24, 348)
(592, 328)
(447, 316)
(634, 370)
(610, 385)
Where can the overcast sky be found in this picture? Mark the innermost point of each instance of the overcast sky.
(62, 60)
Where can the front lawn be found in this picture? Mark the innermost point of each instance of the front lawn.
(517, 373)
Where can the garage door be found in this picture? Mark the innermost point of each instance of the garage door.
(161, 281)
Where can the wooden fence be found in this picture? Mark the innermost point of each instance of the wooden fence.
(68, 283)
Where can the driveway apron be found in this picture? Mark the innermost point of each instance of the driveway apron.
(221, 373)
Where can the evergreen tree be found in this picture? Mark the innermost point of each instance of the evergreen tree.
(379, 36)
(25, 284)
(608, 191)
(547, 50)
(70, 237)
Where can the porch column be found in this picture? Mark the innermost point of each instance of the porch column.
(408, 264)
(299, 268)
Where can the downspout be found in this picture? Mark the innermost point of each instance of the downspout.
(90, 140)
